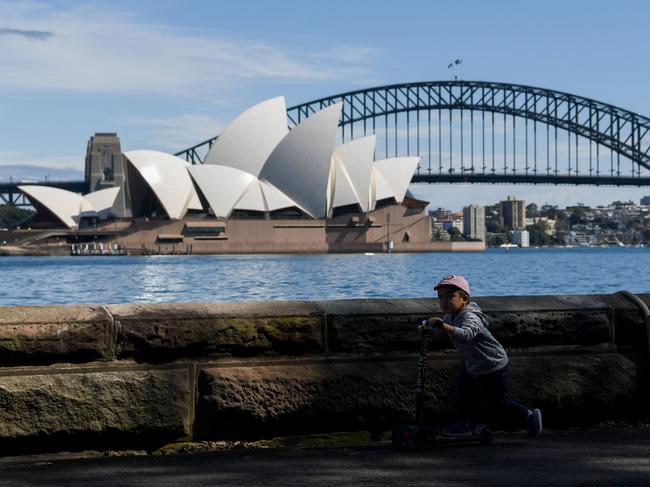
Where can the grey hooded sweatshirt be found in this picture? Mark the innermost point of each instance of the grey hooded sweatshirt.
(481, 352)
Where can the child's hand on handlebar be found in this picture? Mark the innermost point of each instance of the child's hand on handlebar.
(435, 322)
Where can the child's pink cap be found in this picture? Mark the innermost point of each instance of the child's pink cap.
(458, 281)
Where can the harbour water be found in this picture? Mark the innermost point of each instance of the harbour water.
(154, 279)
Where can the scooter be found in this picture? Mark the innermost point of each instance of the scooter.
(423, 436)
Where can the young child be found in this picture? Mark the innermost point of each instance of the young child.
(485, 362)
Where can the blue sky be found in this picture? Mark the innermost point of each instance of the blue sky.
(166, 75)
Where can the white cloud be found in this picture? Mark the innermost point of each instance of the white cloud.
(76, 162)
(103, 51)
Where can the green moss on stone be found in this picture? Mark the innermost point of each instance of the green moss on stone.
(325, 439)
(316, 440)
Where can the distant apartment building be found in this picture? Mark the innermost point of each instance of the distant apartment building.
(520, 237)
(513, 212)
(645, 201)
(474, 222)
(441, 214)
(438, 231)
(454, 223)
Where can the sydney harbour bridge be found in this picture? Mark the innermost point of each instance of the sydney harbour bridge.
(482, 132)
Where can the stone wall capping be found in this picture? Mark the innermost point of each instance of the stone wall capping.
(360, 307)
(207, 310)
(499, 304)
(164, 332)
(48, 334)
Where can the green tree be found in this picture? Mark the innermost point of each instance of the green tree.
(578, 214)
(498, 240)
(550, 211)
(11, 216)
(537, 234)
(646, 236)
(456, 236)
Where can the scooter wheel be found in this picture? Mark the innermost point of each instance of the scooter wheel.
(401, 437)
(486, 436)
(426, 439)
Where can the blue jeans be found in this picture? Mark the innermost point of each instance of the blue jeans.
(483, 399)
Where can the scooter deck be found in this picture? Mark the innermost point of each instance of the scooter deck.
(424, 437)
(484, 438)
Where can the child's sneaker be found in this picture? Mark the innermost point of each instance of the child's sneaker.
(534, 423)
(457, 429)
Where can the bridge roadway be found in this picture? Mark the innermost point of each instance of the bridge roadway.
(606, 457)
(420, 177)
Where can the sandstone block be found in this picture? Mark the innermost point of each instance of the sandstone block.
(390, 325)
(576, 389)
(96, 407)
(629, 319)
(264, 401)
(167, 331)
(47, 334)
(548, 320)
(259, 401)
(375, 325)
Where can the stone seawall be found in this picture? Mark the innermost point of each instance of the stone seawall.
(89, 376)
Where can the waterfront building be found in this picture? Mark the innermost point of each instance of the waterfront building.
(578, 238)
(513, 212)
(440, 234)
(494, 239)
(261, 188)
(474, 222)
(520, 237)
(455, 222)
(441, 214)
(105, 169)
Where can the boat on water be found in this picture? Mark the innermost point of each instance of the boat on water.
(508, 245)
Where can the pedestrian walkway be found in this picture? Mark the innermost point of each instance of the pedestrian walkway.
(567, 458)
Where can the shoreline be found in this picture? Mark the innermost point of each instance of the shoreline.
(18, 251)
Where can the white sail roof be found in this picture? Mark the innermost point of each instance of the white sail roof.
(396, 173)
(168, 178)
(222, 186)
(247, 141)
(101, 202)
(252, 199)
(344, 193)
(357, 157)
(300, 165)
(65, 205)
(274, 198)
(380, 187)
(195, 202)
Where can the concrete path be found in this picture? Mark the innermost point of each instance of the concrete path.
(567, 458)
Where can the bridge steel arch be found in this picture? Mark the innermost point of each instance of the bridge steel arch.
(622, 132)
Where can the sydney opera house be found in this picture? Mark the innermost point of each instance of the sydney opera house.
(261, 188)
